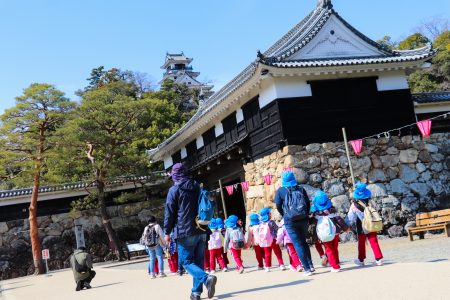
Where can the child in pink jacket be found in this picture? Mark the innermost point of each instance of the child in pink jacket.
(253, 240)
(284, 239)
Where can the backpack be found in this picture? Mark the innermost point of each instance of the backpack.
(295, 205)
(237, 237)
(372, 221)
(264, 236)
(149, 237)
(215, 240)
(205, 209)
(254, 231)
(80, 268)
(326, 230)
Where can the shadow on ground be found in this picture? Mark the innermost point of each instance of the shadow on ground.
(104, 285)
(276, 286)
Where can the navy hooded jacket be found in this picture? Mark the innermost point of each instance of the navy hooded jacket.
(181, 209)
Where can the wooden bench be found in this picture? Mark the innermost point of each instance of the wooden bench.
(434, 220)
(133, 247)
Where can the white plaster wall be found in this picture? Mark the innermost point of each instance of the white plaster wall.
(183, 152)
(239, 115)
(392, 81)
(168, 162)
(218, 129)
(284, 87)
(199, 142)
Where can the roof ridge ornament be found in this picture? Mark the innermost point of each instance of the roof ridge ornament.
(324, 4)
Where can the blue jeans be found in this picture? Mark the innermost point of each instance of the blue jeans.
(298, 232)
(191, 251)
(153, 253)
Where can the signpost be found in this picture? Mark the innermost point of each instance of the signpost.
(79, 236)
(46, 256)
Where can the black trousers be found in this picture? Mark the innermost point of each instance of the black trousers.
(88, 280)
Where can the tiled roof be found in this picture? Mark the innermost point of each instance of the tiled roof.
(294, 40)
(75, 186)
(434, 97)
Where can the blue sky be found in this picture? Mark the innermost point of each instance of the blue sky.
(59, 42)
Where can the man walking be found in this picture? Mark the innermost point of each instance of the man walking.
(81, 264)
(180, 213)
(293, 204)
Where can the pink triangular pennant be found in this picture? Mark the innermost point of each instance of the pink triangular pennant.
(245, 185)
(424, 127)
(357, 146)
(230, 189)
(268, 179)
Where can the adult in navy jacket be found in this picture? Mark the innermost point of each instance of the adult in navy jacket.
(180, 212)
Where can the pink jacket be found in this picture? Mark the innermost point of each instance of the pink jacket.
(282, 235)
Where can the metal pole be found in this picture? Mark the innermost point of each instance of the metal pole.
(223, 199)
(348, 155)
(46, 266)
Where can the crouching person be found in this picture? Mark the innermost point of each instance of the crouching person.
(81, 264)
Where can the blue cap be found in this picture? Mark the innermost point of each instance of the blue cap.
(219, 223)
(254, 219)
(264, 213)
(213, 224)
(361, 192)
(320, 202)
(288, 179)
(231, 222)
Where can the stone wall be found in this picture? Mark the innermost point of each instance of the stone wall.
(57, 235)
(406, 175)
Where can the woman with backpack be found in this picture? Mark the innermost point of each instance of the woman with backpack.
(215, 246)
(268, 239)
(329, 226)
(152, 238)
(253, 239)
(292, 203)
(356, 213)
(235, 241)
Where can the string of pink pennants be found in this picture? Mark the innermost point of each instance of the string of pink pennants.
(424, 127)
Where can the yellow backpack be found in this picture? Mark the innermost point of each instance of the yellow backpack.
(372, 220)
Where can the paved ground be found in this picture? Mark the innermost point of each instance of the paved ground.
(418, 270)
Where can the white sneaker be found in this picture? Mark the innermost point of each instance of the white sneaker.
(267, 269)
(212, 272)
(312, 270)
(282, 268)
(225, 270)
(299, 269)
(358, 262)
(379, 262)
(335, 270)
(291, 267)
(307, 273)
(162, 275)
(241, 270)
(152, 275)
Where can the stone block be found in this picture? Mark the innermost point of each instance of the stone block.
(436, 186)
(425, 176)
(255, 191)
(408, 174)
(301, 175)
(377, 189)
(431, 148)
(392, 172)
(408, 156)
(399, 187)
(311, 191)
(334, 162)
(424, 156)
(333, 188)
(437, 167)
(390, 201)
(410, 204)
(420, 167)
(392, 151)
(422, 189)
(312, 148)
(58, 218)
(315, 178)
(341, 203)
(410, 224)
(3, 227)
(376, 162)
(376, 175)
(343, 161)
(309, 163)
(395, 231)
(389, 160)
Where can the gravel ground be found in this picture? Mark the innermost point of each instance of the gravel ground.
(433, 248)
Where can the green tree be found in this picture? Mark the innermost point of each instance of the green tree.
(107, 126)
(414, 41)
(27, 137)
(387, 42)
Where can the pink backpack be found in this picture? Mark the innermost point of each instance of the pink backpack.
(215, 241)
(264, 236)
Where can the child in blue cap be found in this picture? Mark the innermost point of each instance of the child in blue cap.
(322, 207)
(215, 246)
(221, 226)
(235, 241)
(268, 239)
(361, 196)
(253, 241)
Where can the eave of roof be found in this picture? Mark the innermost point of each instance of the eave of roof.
(432, 97)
